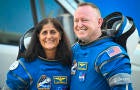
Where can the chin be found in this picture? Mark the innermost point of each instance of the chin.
(82, 38)
(50, 48)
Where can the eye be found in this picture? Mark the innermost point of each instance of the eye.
(53, 32)
(84, 20)
(44, 32)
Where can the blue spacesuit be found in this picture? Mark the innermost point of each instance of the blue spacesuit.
(38, 75)
(100, 65)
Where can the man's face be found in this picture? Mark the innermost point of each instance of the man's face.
(87, 23)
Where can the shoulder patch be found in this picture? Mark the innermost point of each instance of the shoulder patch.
(114, 50)
(14, 65)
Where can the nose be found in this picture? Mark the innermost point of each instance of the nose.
(49, 35)
(79, 24)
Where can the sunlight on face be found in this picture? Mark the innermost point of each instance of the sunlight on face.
(87, 23)
(49, 37)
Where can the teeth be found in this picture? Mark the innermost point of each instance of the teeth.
(50, 41)
(83, 28)
(82, 31)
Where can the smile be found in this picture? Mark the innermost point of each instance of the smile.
(83, 28)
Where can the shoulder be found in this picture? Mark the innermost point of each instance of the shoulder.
(114, 50)
(110, 54)
(75, 46)
(20, 68)
(16, 64)
(16, 75)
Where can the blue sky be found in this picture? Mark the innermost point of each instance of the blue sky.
(129, 8)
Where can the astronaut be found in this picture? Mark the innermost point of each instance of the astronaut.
(102, 63)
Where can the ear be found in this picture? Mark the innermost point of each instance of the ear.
(100, 21)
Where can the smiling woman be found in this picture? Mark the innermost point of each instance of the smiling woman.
(15, 19)
(46, 61)
(49, 38)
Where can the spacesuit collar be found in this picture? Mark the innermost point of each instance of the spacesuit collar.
(87, 43)
(44, 59)
(98, 41)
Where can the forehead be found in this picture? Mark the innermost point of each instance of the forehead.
(85, 11)
(48, 25)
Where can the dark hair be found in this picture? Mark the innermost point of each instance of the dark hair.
(63, 52)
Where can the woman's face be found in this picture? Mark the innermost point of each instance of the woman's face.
(49, 37)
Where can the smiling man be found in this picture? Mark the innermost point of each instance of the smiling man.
(98, 62)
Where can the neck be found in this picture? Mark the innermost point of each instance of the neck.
(50, 54)
(97, 35)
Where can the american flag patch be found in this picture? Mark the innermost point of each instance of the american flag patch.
(114, 51)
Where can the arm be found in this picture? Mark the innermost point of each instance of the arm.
(116, 68)
(16, 77)
(122, 87)
(120, 79)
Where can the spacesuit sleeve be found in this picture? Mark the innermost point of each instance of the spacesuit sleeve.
(16, 77)
(114, 65)
(120, 82)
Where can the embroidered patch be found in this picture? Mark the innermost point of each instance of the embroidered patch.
(82, 65)
(14, 65)
(74, 67)
(82, 76)
(44, 83)
(60, 79)
(113, 51)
